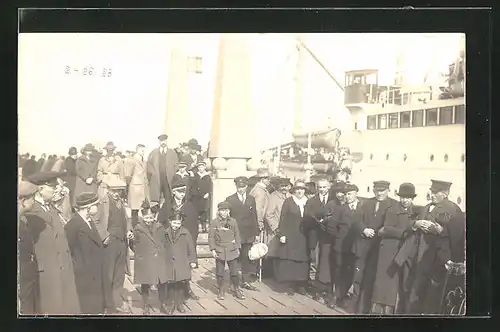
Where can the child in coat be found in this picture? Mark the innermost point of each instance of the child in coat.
(150, 266)
(180, 259)
(201, 191)
(224, 241)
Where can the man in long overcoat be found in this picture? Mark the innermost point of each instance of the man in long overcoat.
(399, 218)
(437, 234)
(87, 251)
(108, 168)
(86, 172)
(135, 171)
(58, 293)
(161, 170)
(367, 245)
(243, 210)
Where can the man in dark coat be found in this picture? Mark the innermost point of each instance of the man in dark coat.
(86, 172)
(161, 170)
(244, 211)
(436, 238)
(201, 192)
(116, 230)
(387, 292)
(29, 287)
(87, 251)
(70, 177)
(58, 293)
(367, 245)
(29, 167)
(183, 174)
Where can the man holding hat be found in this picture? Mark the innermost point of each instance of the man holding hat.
(87, 251)
(161, 169)
(136, 176)
(388, 291)
(243, 210)
(29, 288)
(109, 166)
(86, 172)
(439, 238)
(58, 293)
(368, 243)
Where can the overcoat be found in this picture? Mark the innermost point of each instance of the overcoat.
(201, 185)
(272, 218)
(187, 210)
(108, 169)
(261, 195)
(224, 238)
(87, 252)
(29, 288)
(153, 169)
(85, 168)
(149, 254)
(180, 252)
(70, 176)
(396, 222)
(136, 175)
(292, 227)
(58, 293)
(246, 217)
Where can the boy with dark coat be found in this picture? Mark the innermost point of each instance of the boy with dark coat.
(150, 256)
(180, 259)
(225, 244)
(201, 191)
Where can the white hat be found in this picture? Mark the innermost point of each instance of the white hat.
(257, 251)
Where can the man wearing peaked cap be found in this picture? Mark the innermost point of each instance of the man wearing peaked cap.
(183, 174)
(163, 137)
(88, 254)
(443, 222)
(29, 291)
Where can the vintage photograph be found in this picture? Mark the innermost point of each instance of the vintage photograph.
(241, 174)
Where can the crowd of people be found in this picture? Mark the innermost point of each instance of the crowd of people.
(371, 255)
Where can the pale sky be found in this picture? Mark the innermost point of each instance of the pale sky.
(57, 110)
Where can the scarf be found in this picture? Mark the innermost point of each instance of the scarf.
(301, 203)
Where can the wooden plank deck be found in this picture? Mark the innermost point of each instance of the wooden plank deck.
(269, 300)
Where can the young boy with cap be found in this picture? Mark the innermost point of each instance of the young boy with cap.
(202, 189)
(224, 242)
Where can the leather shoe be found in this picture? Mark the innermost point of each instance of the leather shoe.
(246, 285)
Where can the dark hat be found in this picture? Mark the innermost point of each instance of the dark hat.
(348, 187)
(381, 185)
(192, 142)
(438, 185)
(299, 184)
(176, 216)
(72, 151)
(88, 147)
(110, 146)
(86, 199)
(26, 189)
(262, 173)
(163, 137)
(201, 163)
(140, 146)
(241, 181)
(337, 186)
(311, 188)
(42, 178)
(406, 190)
(223, 205)
(182, 164)
(179, 185)
(283, 182)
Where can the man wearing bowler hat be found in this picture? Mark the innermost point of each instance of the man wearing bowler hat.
(388, 291)
(438, 238)
(161, 170)
(367, 244)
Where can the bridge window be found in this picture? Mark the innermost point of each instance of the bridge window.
(460, 114)
(431, 117)
(405, 119)
(446, 115)
(393, 120)
(417, 118)
(382, 121)
(372, 122)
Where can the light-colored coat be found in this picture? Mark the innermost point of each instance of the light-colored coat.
(58, 293)
(273, 213)
(108, 169)
(261, 195)
(135, 171)
(153, 169)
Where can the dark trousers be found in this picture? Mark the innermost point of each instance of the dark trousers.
(116, 262)
(165, 190)
(162, 288)
(248, 267)
(342, 271)
(220, 266)
(175, 293)
(366, 272)
(29, 296)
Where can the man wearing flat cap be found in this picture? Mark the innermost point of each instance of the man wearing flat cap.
(437, 240)
(243, 210)
(161, 169)
(29, 288)
(136, 176)
(388, 291)
(58, 293)
(87, 251)
(86, 172)
(367, 244)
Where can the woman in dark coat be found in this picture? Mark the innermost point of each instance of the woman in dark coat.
(70, 177)
(87, 252)
(398, 218)
(292, 262)
(150, 257)
(181, 258)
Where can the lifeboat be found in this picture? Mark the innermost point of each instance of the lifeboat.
(320, 139)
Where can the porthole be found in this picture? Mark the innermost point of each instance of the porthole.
(463, 157)
(445, 158)
(371, 156)
(387, 157)
(431, 158)
(459, 200)
(405, 157)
